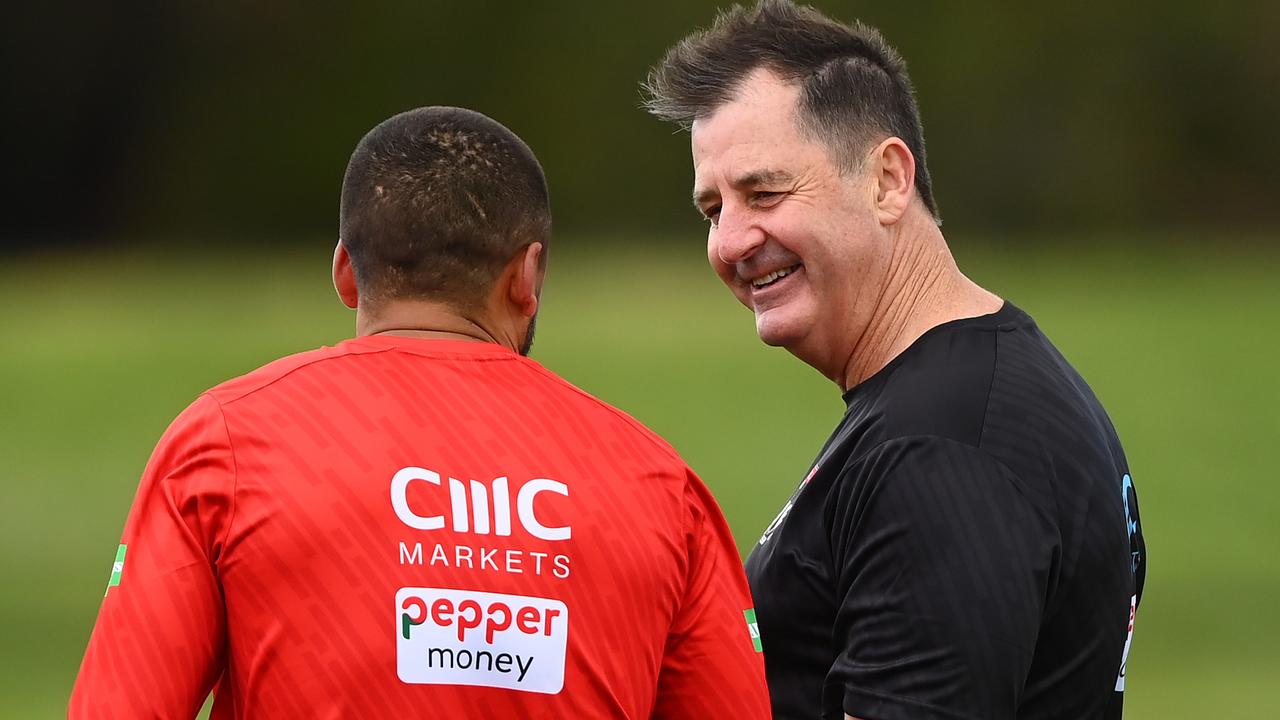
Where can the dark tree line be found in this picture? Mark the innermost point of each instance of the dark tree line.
(187, 120)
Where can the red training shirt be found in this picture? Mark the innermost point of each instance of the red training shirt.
(399, 527)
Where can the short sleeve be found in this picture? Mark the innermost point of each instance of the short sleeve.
(712, 664)
(943, 570)
(157, 647)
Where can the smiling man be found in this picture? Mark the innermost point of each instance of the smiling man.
(966, 543)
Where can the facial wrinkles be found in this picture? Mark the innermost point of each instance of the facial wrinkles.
(823, 222)
(770, 257)
(742, 139)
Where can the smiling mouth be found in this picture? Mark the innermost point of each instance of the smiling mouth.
(773, 277)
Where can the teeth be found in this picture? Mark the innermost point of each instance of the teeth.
(775, 275)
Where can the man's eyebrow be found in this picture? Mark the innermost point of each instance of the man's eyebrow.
(751, 179)
(702, 197)
(763, 177)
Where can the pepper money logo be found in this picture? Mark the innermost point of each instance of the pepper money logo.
(467, 637)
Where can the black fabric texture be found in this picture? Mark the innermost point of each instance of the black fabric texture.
(965, 546)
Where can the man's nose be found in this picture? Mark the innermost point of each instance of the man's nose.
(737, 236)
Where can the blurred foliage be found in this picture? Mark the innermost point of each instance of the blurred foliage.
(195, 119)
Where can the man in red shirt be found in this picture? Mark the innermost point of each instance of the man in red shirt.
(421, 521)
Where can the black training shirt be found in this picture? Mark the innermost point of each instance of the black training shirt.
(966, 545)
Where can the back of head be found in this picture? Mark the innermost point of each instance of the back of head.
(854, 86)
(435, 202)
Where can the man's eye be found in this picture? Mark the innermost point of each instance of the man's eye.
(712, 214)
(766, 197)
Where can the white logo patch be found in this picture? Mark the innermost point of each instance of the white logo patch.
(777, 521)
(1124, 659)
(786, 509)
(467, 637)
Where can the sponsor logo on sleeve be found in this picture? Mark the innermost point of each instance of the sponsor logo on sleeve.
(1131, 520)
(1124, 659)
(753, 628)
(786, 509)
(117, 569)
(467, 637)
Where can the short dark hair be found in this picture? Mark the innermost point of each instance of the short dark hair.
(435, 202)
(854, 88)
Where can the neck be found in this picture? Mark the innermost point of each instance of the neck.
(922, 288)
(432, 320)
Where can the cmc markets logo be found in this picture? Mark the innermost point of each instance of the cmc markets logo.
(467, 637)
(472, 514)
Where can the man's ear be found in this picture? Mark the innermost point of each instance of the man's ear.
(526, 279)
(344, 277)
(895, 179)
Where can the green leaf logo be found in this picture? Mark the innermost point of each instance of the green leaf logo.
(753, 629)
(117, 568)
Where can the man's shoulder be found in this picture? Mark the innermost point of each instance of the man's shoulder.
(969, 379)
(608, 416)
(938, 387)
(524, 381)
(1004, 389)
(326, 364)
(247, 384)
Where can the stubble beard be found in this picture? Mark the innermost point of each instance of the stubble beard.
(527, 344)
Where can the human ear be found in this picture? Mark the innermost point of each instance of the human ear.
(344, 277)
(895, 178)
(526, 280)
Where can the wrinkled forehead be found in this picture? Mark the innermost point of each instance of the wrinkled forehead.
(762, 106)
(755, 132)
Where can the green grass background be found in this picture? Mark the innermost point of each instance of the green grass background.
(1179, 339)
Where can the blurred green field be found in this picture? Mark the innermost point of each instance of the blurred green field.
(1179, 340)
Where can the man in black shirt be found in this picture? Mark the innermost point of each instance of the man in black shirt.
(967, 543)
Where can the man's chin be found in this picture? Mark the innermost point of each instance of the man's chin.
(777, 333)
